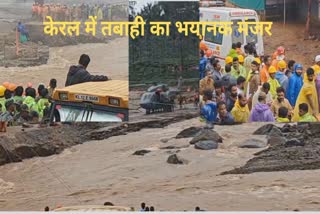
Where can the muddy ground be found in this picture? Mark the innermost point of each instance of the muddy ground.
(291, 148)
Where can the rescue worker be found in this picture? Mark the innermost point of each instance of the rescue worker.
(281, 76)
(79, 74)
(264, 74)
(274, 83)
(278, 56)
(308, 95)
(237, 69)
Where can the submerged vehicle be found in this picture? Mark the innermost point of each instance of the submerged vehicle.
(158, 98)
(91, 102)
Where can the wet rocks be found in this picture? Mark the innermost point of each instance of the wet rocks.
(175, 159)
(276, 140)
(294, 142)
(254, 143)
(141, 152)
(206, 145)
(264, 130)
(269, 129)
(207, 134)
(189, 132)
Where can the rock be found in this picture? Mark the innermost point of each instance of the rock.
(272, 140)
(189, 132)
(164, 140)
(174, 159)
(275, 132)
(207, 134)
(294, 142)
(141, 152)
(314, 128)
(206, 145)
(254, 143)
(264, 130)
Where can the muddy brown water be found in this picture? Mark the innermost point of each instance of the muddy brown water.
(106, 170)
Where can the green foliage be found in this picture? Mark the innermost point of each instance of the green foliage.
(160, 58)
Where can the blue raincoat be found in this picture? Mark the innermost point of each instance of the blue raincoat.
(294, 86)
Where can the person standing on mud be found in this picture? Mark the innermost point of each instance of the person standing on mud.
(295, 84)
(79, 74)
(308, 95)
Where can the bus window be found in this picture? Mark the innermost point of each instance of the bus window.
(236, 36)
(210, 37)
(251, 38)
(75, 114)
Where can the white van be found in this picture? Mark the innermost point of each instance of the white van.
(221, 44)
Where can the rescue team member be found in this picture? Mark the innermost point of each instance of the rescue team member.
(274, 84)
(308, 95)
(264, 74)
(79, 74)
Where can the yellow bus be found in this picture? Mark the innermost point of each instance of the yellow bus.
(91, 102)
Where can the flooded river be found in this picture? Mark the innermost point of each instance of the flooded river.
(106, 170)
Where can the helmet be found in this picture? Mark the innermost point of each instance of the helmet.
(228, 59)
(2, 90)
(203, 46)
(317, 59)
(280, 50)
(241, 59)
(6, 84)
(272, 70)
(257, 59)
(12, 87)
(282, 64)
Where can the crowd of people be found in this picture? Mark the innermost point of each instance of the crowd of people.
(79, 12)
(254, 89)
(29, 105)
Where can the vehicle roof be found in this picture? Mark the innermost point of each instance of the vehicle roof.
(226, 10)
(90, 208)
(113, 88)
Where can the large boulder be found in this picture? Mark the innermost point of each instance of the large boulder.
(269, 129)
(207, 134)
(254, 143)
(206, 145)
(189, 132)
